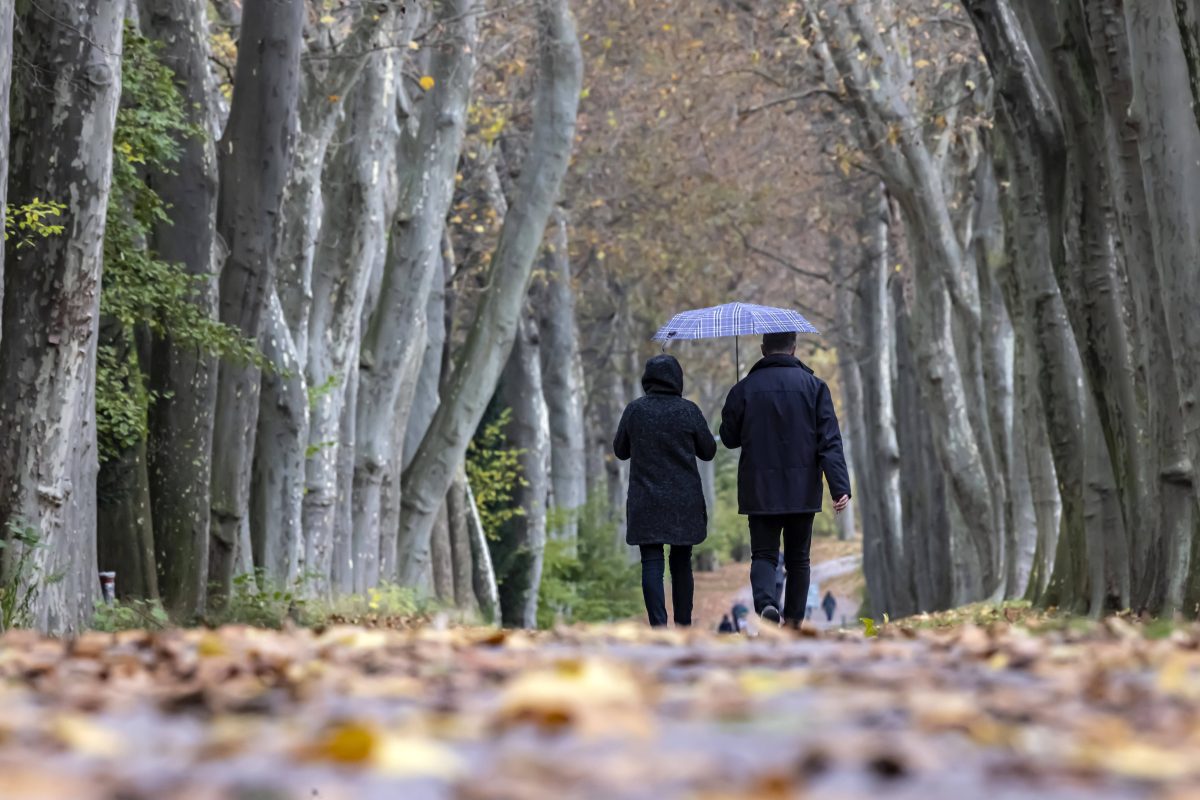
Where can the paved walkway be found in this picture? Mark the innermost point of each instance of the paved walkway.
(846, 613)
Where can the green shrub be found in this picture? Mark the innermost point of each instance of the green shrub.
(263, 603)
(387, 604)
(23, 577)
(494, 471)
(127, 615)
(594, 581)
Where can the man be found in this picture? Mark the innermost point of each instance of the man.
(782, 417)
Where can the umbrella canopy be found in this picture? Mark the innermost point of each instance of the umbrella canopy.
(732, 319)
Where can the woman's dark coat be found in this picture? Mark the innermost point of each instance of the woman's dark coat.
(782, 417)
(664, 434)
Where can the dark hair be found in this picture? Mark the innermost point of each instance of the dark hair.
(779, 342)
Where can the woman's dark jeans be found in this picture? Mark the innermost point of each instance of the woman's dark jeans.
(681, 584)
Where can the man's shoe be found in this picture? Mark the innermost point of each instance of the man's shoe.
(771, 614)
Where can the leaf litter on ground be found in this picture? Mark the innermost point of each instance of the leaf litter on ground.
(994, 703)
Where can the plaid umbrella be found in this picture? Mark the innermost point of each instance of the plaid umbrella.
(732, 319)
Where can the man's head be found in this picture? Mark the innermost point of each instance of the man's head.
(779, 343)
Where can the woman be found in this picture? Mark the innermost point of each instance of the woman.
(664, 434)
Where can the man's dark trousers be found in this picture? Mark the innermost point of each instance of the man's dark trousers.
(765, 531)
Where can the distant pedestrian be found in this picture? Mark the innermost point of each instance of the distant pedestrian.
(662, 435)
(738, 614)
(830, 605)
(781, 416)
(726, 626)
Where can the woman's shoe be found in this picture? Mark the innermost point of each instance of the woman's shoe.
(771, 614)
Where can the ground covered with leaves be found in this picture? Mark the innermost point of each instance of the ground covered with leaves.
(1016, 707)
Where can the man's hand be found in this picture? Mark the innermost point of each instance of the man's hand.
(841, 504)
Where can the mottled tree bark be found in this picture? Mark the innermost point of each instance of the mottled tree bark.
(1169, 145)
(922, 175)
(179, 445)
(394, 341)
(352, 239)
(277, 479)
(562, 376)
(494, 328)
(62, 122)
(926, 519)
(254, 158)
(519, 553)
(459, 519)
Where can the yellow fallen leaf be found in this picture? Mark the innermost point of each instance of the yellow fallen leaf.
(211, 644)
(83, 736)
(347, 743)
(593, 697)
(411, 756)
(1138, 760)
(427, 82)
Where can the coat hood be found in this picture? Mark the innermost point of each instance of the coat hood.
(663, 375)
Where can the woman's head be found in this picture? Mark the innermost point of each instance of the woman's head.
(663, 375)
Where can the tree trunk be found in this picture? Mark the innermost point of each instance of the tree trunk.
(181, 420)
(946, 308)
(1169, 145)
(483, 575)
(62, 122)
(494, 328)
(460, 520)
(1164, 516)
(277, 481)
(562, 376)
(6, 41)
(519, 553)
(124, 536)
(352, 240)
(442, 559)
(394, 342)
(926, 522)
(254, 160)
(879, 454)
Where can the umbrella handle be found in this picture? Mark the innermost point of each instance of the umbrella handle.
(737, 361)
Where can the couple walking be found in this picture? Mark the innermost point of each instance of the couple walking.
(782, 417)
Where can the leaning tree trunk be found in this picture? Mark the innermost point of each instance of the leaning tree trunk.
(945, 301)
(393, 342)
(179, 447)
(520, 551)
(254, 159)
(425, 399)
(328, 78)
(556, 100)
(562, 377)
(63, 118)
